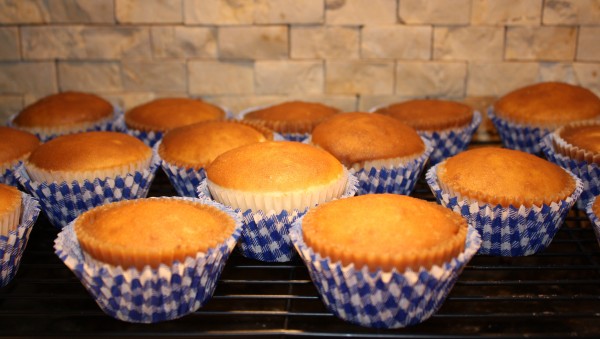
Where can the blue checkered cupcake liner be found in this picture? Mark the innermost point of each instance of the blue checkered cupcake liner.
(8, 177)
(589, 173)
(63, 202)
(13, 245)
(519, 137)
(382, 299)
(265, 235)
(107, 125)
(184, 180)
(149, 295)
(450, 142)
(398, 179)
(508, 231)
(593, 218)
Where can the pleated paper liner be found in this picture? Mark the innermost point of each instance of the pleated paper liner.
(13, 244)
(573, 151)
(382, 299)
(265, 234)
(594, 218)
(63, 202)
(518, 136)
(508, 231)
(149, 295)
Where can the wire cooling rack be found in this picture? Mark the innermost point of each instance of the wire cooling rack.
(551, 294)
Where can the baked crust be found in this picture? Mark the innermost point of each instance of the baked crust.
(10, 208)
(15, 145)
(292, 116)
(430, 114)
(385, 231)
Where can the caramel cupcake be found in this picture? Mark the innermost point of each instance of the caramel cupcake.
(15, 147)
(524, 116)
(347, 240)
(272, 184)
(293, 119)
(151, 120)
(593, 211)
(73, 173)
(168, 249)
(65, 113)
(447, 124)
(386, 155)
(18, 213)
(186, 151)
(576, 148)
(517, 201)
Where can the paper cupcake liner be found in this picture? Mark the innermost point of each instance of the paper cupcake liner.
(399, 179)
(13, 245)
(289, 136)
(508, 231)
(149, 295)
(382, 299)
(46, 134)
(574, 152)
(593, 218)
(184, 180)
(63, 202)
(589, 173)
(516, 136)
(265, 234)
(8, 176)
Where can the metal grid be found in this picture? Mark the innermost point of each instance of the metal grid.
(552, 294)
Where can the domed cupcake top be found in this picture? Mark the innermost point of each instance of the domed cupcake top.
(168, 113)
(10, 200)
(151, 231)
(64, 109)
(548, 104)
(16, 144)
(384, 231)
(357, 137)
(197, 145)
(429, 114)
(505, 177)
(586, 137)
(292, 116)
(274, 166)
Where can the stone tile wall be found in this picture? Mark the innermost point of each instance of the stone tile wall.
(352, 54)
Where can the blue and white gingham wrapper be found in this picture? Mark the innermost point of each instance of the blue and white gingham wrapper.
(106, 125)
(593, 218)
(150, 295)
(8, 177)
(398, 179)
(265, 235)
(589, 173)
(382, 299)
(516, 136)
(13, 245)
(184, 180)
(63, 202)
(508, 231)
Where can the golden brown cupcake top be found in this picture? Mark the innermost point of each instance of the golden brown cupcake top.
(10, 200)
(197, 145)
(274, 166)
(89, 151)
(151, 231)
(430, 114)
(505, 177)
(357, 137)
(548, 104)
(64, 109)
(292, 116)
(385, 231)
(586, 137)
(16, 144)
(168, 113)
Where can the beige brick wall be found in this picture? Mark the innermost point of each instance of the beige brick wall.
(353, 54)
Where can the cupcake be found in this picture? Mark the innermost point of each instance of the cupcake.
(65, 113)
(576, 147)
(517, 201)
(386, 155)
(15, 147)
(272, 184)
(150, 260)
(523, 117)
(149, 121)
(351, 248)
(186, 151)
(73, 173)
(447, 124)
(293, 119)
(18, 213)
(593, 211)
